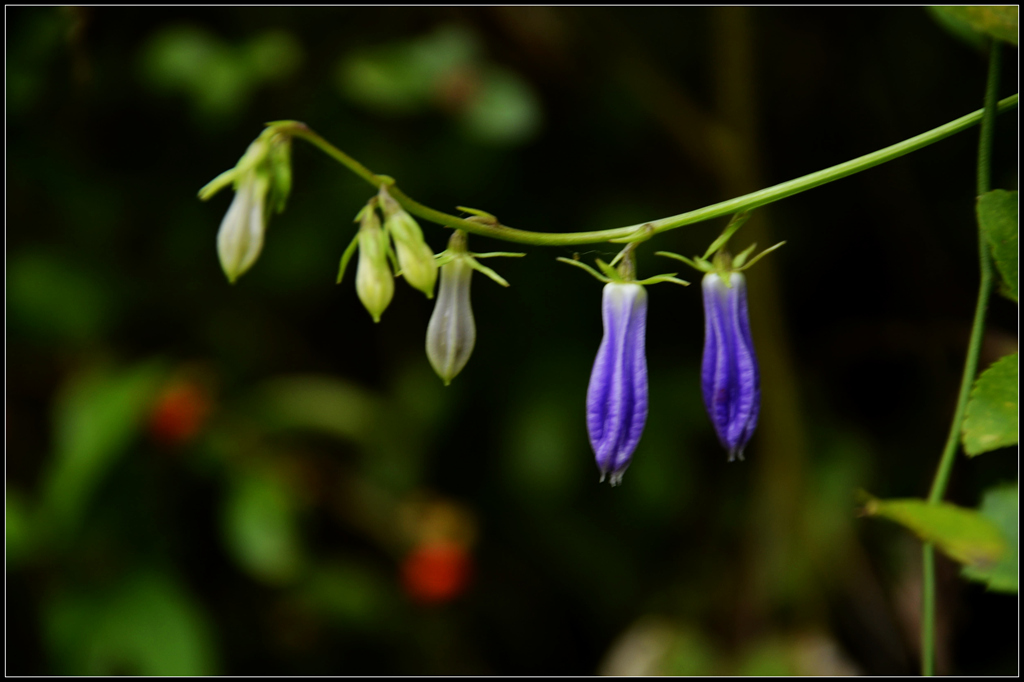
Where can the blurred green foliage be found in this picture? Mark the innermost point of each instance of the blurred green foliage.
(215, 479)
(217, 77)
(1000, 505)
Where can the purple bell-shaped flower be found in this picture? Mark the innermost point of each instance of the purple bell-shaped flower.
(617, 395)
(729, 375)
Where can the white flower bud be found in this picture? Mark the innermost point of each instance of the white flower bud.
(451, 333)
(240, 238)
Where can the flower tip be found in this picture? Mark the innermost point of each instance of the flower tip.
(616, 478)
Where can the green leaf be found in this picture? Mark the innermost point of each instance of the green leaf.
(997, 216)
(19, 534)
(991, 419)
(348, 592)
(1000, 505)
(320, 404)
(962, 534)
(146, 624)
(261, 528)
(999, 22)
(95, 419)
(504, 110)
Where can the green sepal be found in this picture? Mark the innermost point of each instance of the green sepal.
(487, 271)
(739, 260)
(371, 204)
(390, 250)
(598, 276)
(697, 263)
(608, 270)
(217, 184)
(657, 279)
(346, 257)
(757, 257)
(279, 158)
(730, 229)
(444, 258)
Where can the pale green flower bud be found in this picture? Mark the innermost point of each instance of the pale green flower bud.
(415, 258)
(374, 282)
(261, 178)
(240, 238)
(451, 333)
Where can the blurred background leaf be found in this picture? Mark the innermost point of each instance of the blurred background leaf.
(998, 21)
(1000, 505)
(216, 77)
(261, 527)
(963, 534)
(145, 625)
(98, 415)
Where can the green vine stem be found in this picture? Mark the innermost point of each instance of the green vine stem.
(746, 202)
(941, 480)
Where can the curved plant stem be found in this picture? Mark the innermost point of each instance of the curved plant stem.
(742, 203)
(941, 480)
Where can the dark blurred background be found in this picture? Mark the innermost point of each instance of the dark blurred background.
(256, 479)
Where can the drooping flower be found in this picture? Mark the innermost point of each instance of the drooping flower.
(617, 395)
(729, 373)
(451, 333)
(262, 181)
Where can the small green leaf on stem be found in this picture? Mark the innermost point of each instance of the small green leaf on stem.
(999, 504)
(997, 216)
(962, 534)
(991, 419)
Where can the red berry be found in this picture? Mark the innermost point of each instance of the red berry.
(436, 572)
